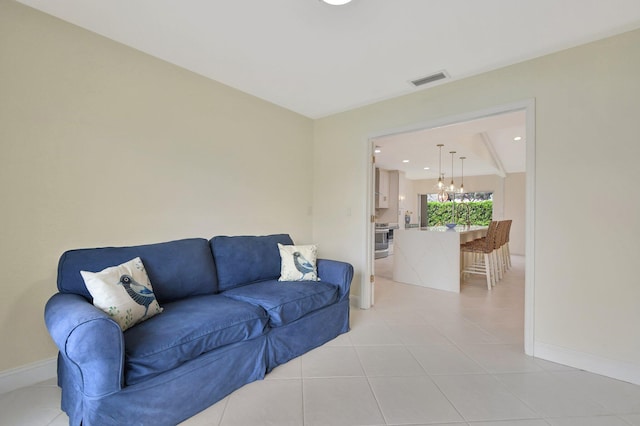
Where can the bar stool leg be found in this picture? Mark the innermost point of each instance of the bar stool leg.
(488, 270)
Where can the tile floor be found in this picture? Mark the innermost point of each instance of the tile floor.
(419, 357)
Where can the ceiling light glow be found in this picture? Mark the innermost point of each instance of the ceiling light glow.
(336, 2)
(517, 138)
(405, 161)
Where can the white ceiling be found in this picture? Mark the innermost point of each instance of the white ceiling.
(317, 59)
(487, 143)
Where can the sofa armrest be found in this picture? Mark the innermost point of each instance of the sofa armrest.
(338, 273)
(90, 340)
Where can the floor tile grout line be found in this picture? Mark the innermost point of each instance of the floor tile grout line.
(304, 413)
(550, 373)
(375, 397)
(487, 372)
(444, 395)
(558, 376)
(55, 418)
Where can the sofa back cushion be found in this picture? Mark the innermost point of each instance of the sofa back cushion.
(176, 269)
(244, 260)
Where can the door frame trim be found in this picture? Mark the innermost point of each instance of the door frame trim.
(366, 298)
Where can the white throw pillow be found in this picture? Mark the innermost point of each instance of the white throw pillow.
(124, 292)
(298, 263)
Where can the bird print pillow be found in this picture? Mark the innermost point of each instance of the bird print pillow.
(298, 263)
(124, 292)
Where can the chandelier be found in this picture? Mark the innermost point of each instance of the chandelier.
(336, 2)
(445, 191)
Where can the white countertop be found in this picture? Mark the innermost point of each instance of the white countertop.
(458, 228)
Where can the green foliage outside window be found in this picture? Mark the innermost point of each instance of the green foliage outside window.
(480, 213)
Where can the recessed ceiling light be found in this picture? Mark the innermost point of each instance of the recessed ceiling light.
(377, 151)
(405, 161)
(426, 168)
(517, 138)
(336, 2)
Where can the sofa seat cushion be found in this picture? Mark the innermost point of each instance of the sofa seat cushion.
(286, 301)
(186, 329)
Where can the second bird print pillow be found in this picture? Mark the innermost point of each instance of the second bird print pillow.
(298, 263)
(124, 292)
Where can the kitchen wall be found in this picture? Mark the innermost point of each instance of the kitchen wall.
(103, 145)
(390, 214)
(515, 209)
(586, 105)
(400, 201)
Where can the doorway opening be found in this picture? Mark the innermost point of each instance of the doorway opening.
(408, 214)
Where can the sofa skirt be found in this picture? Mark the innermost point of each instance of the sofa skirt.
(294, 339)
(173, 396)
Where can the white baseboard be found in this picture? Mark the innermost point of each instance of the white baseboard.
(27, 375)
(619, 370)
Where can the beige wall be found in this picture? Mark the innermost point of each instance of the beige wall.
(508, 201)
(587, 101)
(103, 145)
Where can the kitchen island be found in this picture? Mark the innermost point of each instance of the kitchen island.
(430, 257)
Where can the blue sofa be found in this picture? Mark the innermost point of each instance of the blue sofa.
(227, 321)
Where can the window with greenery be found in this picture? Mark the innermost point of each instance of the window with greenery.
(475, 208)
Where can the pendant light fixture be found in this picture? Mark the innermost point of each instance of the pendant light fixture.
(442, 194)
(440, 174)
(461, 190)
(452, 186)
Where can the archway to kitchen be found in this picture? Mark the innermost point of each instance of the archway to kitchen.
(486, 141)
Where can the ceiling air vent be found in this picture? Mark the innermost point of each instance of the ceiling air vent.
(429, 79)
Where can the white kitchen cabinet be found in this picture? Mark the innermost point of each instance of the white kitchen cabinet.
(382, 188)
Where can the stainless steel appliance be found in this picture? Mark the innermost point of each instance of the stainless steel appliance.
(382, 240)
(392, 227)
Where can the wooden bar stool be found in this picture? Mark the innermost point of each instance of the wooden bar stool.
(501, 236)
(505, 247)
(484, 260)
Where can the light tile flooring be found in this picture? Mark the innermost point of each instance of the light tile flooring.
(419, 357)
